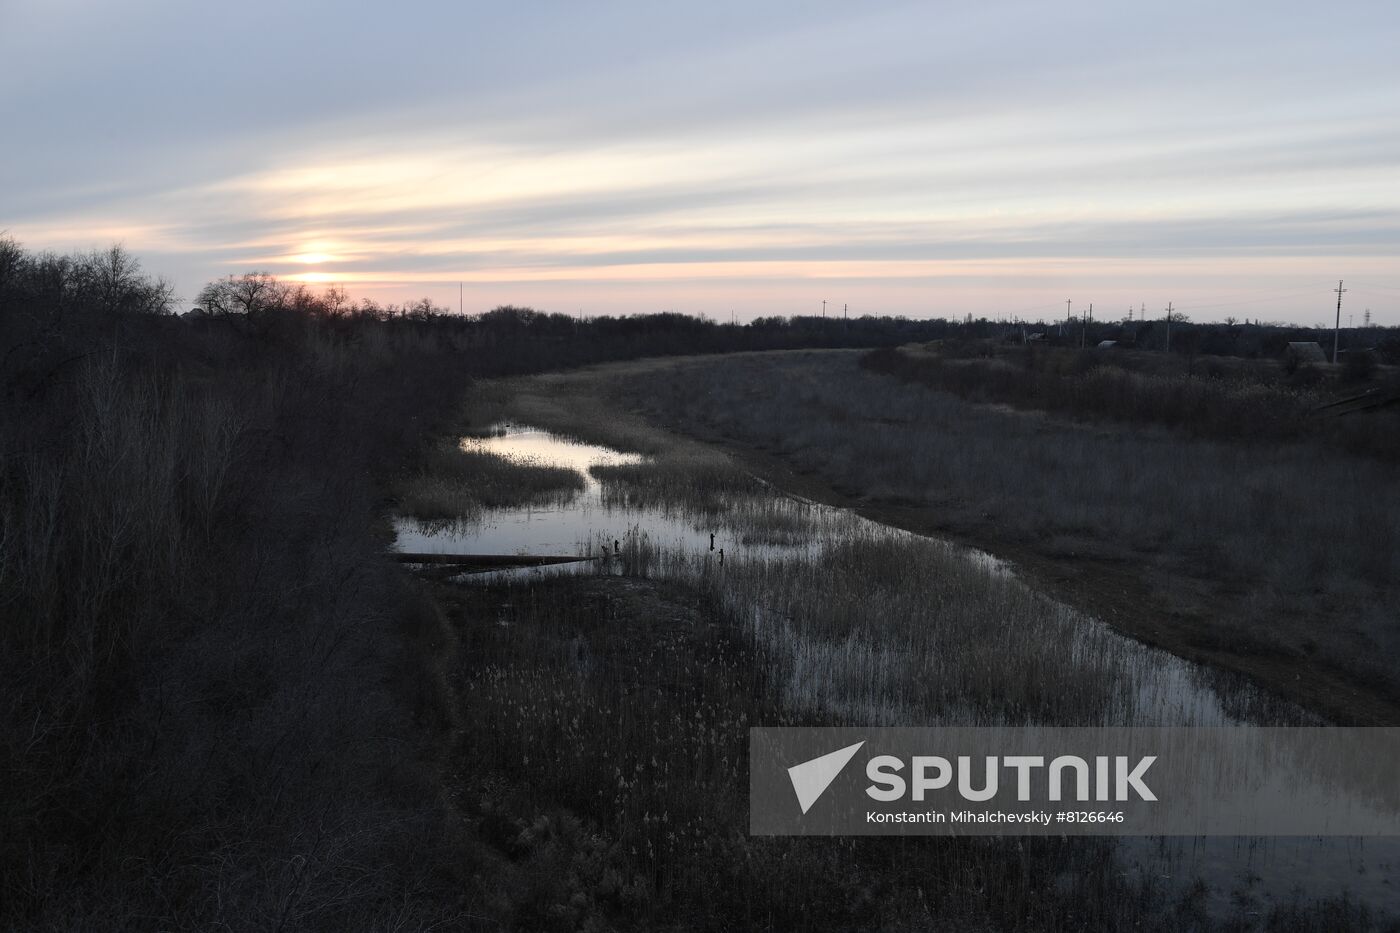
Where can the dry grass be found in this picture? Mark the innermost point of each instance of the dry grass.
(455, 483)
(609, 766)
(605, 716)
(674, 479)
(1258, 401)
(1296, 532)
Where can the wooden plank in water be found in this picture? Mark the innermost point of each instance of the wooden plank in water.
(486, 560)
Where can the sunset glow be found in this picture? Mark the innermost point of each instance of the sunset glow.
(635, 163)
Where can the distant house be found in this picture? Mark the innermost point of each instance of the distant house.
(1304, 351)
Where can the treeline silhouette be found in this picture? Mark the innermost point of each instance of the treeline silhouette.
(1248, 339)
(223, 705)
(523, 339)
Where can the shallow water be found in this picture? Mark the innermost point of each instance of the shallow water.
(1165, 690)
(587, 523)
(1161, 689)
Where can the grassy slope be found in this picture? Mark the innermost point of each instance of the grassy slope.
(602, 762)
(1219, 551)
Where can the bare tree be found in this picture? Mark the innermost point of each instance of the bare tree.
(423, 309)
(110, 282)
(249, 294)
(337, 301)
(11, 259)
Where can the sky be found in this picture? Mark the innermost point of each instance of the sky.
(756, 158)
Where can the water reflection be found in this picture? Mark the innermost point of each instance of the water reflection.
(524, 444)
(767, 536)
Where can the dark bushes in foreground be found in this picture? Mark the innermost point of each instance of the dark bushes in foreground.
(214, 709)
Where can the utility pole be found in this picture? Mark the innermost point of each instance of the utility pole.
(459, 299)
(823, 307)
(1337, 331)
(1169, 327)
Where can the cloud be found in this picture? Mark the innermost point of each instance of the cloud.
(664, 146)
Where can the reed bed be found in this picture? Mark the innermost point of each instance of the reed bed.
(754, 517)
(607, 731)
(455, 483)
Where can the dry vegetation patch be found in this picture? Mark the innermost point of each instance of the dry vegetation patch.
(456, 483)
(1282, 558)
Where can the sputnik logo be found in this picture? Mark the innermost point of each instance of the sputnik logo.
(811, 778)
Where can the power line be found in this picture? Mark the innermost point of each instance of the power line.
(1337, 331)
